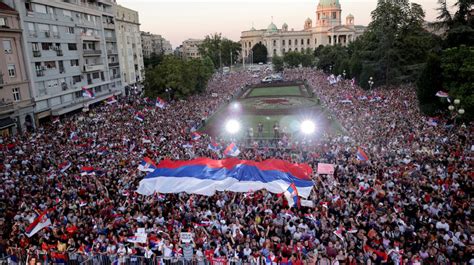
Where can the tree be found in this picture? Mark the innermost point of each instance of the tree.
(458, 76)
(184, 77)
(219, 50)
(332, 58)
(278, 63)
(307, 58)
(292, 59)
(260, 53)
(460, 26)
(430, 82)
(153, 60)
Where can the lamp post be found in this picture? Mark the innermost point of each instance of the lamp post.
(344, 74)
(456, 110)
(371, 82)
(168, 91)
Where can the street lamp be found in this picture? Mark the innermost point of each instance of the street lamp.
(371, 82)
(168, 91)
(456, 110)
(344, 74)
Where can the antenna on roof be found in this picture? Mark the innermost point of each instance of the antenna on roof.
(272, 19)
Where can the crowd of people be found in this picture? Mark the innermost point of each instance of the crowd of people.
(410, 203)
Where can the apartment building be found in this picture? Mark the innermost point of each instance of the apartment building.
(129, 46)
(155, 44)
(190, 48)
(70, 45)
(16, 106)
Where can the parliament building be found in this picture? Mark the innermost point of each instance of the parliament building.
(328, 30)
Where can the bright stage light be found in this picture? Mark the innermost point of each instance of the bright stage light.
(308, 127)
(236, 105)
(232, 126)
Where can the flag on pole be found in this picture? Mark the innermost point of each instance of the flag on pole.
(232, 150)
(64, 166)
(338, 233)
(442, 94)
(87, 171)
(160, 103)
(40, 222)
(432, 121)
(291, 195)
(213, 146)
(361, 155)
(111, 100)
(87, 93)
(195, 136)
(140, 117)
(147, 165)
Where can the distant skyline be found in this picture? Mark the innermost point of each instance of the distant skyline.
(178, 20)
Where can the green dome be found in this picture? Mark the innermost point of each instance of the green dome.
(329, 3)
(272, 28)
(350, 16)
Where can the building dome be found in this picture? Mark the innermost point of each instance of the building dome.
(329, 3)
(272, 28)
(252, 29)
(350, 16)
(284, 25)
(308, 20)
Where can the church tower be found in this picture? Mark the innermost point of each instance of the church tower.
(328, 14)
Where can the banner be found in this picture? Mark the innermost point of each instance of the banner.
(186, 237)
(327, 169)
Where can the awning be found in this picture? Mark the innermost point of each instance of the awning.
(63, 110)
(7, 122)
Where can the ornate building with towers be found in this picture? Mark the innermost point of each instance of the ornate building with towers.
(328, 29)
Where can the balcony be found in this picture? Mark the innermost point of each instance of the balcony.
(114, 64)
(36, 54)
(89, 37)
(39, 72)
(109, 25)
(93, 67)
(110, 52)
(59, 52)
(110, 39)
(116, 76)
(10, 106)
(92, 52)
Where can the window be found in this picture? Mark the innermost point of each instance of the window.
(296, 42)
(76, 79)
(98, 89)
(40, 8)
(50, 65)
(43, 27)
(289, 42)
(302, 42)
(70, 30)
(283, 42)
(31, 28)
(274, 42)
(16, 94)
(35, 46)
(67, 13)
(7, 46)
(95, 75)
(78, 94)
(46, 46)
(307, 41)
(11, 70)
(74, 63)
(3, 22)
(72, 46)
(334, 15)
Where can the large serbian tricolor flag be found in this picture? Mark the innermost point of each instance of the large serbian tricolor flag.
(205, 176)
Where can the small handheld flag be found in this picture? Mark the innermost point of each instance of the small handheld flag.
(232, 150)
(213, 146)
(140, 117)
(195, 136)
(87, 171)
(111, 100)
(442, 94)
(361, 155)
(291, 195)
(160, 103)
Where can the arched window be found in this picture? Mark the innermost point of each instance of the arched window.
(274, 52)
(315, 41)
(283, 42)
(296, 49)
(274, 42)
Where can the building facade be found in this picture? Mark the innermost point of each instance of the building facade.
(129, 46)
(190, 49)
(69, 47)
(155, 44)
(327, 30)
(16, 106)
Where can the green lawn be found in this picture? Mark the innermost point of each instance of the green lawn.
(275, 91)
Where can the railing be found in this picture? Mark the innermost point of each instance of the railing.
(92, 52)
(93, 67)
(113, 64)
(36, 53)
(39, 72)
(112, 51)
(59, 52)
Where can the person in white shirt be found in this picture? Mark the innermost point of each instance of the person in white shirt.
(442, 225)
